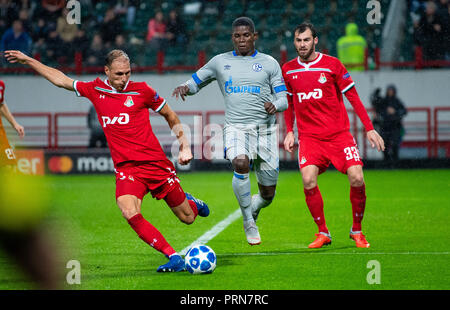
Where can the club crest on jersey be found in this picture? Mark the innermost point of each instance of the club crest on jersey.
(226, 67)
(129, 102)
(257, 67)
(322, 78)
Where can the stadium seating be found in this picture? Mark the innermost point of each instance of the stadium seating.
(209, 30)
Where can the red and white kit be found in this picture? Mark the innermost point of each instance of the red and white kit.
(139, 160)
(315, 96)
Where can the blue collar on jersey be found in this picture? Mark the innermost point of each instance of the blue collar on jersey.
(253, 55)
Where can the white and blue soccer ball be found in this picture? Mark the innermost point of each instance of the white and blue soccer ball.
(200, 259)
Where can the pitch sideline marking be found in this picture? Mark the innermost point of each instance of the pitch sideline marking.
(217, 229)
(335, 253)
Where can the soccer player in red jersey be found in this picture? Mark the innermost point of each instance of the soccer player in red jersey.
(7, 156)
(315, 84)
(140, 163)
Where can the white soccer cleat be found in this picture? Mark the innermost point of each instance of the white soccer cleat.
(252, 233)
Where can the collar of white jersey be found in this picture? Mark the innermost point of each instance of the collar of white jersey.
(252, 55)
(308, 64)
(106, 81)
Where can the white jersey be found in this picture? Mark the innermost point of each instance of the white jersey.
(246, 82)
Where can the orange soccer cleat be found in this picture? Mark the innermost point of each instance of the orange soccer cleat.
(360, 239)
(321, 240)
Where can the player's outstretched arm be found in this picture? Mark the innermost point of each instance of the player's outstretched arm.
(55, 76)
(185, 154)
(7, 114)
(375, 140)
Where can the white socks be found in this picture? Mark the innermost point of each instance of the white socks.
(241, 187)
(258, 202)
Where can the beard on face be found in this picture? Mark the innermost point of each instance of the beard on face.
(307, 53)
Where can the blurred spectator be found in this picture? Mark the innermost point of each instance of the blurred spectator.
(377, 104)
(51, 9)
(156, 32)
(176, 34)
(97, 137)
(443, 11)
(8, 13)
(54, 47)
(15, 38)
(39, 33)
(24, 16)
(391, 112)
(96, 51)
(351, 48)
(81, 43)
(128, 8)
(120, 43)
(429, 33)
(110, 27)
(66, 31)
(40, 30)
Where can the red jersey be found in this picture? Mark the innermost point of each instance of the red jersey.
(315, 92)
(125, 118)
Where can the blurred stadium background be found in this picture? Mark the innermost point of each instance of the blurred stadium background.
(398, 52)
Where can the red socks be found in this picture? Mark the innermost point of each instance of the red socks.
(314, 202)
(358, 200)
(150, 234)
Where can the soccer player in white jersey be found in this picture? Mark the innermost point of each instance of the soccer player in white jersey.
(253, 89)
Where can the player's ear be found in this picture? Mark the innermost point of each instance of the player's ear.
(255, 35)
(107, 70)
(316, 40)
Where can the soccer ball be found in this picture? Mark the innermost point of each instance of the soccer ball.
(200, 259)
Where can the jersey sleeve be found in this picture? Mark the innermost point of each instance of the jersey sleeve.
(289, 114)
(153, 100)
(343, 79)
(203, 76)
(277, 80)
(83, 89)
(2, 92)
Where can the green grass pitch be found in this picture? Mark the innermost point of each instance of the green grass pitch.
(406, 222)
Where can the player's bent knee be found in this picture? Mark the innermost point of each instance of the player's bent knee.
(241, 165)
(309, 182)
(128, 206)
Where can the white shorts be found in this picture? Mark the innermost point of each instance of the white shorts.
(260, 144)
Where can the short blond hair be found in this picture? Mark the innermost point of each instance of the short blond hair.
(115, 54)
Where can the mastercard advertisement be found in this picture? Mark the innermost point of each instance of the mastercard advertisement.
(78, 162)
(40, 162)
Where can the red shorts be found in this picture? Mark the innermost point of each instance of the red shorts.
(341, 151)
(158, 177)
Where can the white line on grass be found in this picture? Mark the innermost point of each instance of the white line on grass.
(312, 252)
(217, 229)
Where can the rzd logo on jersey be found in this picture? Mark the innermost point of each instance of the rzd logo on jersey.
(316, 94)
(122, 119)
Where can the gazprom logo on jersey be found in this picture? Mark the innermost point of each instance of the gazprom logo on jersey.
(250, 89)
(122, 119)
(316, 94)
